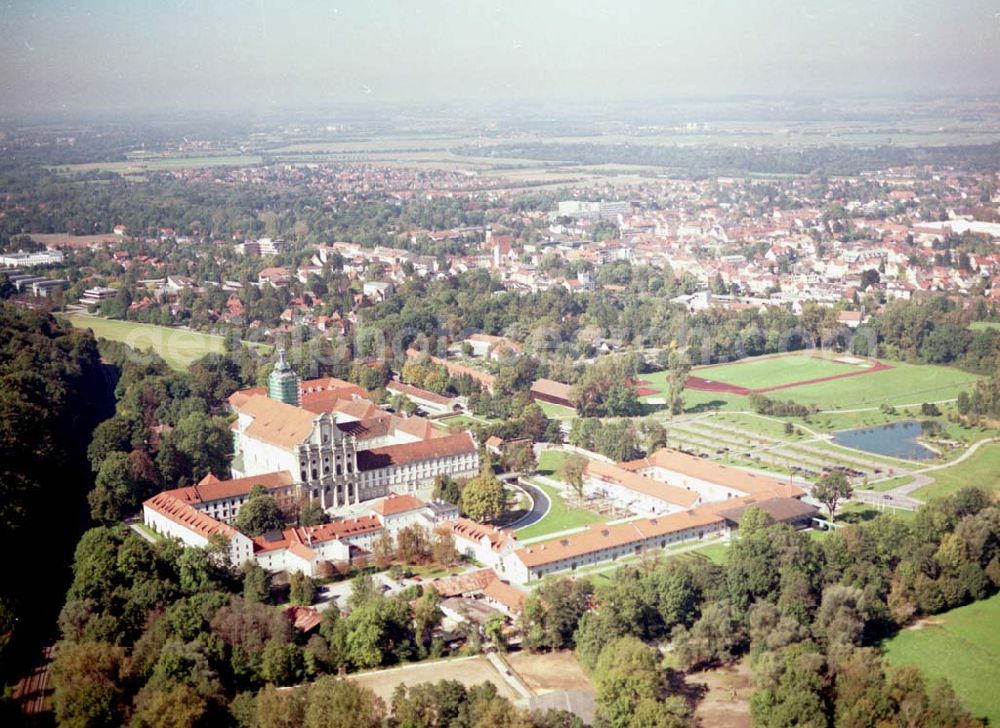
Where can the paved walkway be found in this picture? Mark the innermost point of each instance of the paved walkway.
(540, 506)
(509, 675)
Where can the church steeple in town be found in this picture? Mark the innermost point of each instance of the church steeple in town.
(283, 384)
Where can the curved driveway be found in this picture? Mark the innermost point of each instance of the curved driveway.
(539, 506)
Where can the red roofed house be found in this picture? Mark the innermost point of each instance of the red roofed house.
(488, 545)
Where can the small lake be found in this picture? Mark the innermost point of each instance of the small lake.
(896, 440)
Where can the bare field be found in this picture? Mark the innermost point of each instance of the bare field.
(545, 672)
(466, 670)
(726, 697)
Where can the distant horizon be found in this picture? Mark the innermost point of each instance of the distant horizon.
(179, 56)
(611, 108)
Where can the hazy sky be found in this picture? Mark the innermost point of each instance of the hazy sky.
(63, 55)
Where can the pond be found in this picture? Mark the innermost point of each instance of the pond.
(896, 440)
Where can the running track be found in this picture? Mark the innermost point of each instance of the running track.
(708, 385)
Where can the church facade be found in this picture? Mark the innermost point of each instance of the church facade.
(340, 452)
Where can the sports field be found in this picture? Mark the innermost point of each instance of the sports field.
(962, 645)
(892, 383)
(178, 347)
(897, 385)
(766, 372)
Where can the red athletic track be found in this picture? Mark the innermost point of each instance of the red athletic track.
(642, 388)
(707, 385)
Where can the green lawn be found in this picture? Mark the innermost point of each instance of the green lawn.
(891, 483)
(962, 645)
(561, 516)
(551, 462)
(557, 412)
(765, 426)
(150, 533)
(855, 512)
(716, 552)
(984, 326)
(178, 347)
(460, 421)
(982, 470)
(774, 371)
(902, 384)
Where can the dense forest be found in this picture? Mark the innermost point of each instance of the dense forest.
(53, 392)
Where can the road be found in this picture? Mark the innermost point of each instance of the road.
(539, 506)
(900, 495)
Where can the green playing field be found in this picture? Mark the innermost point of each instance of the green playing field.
(775, 371)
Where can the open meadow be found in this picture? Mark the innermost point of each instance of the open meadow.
(178, 347)
(962, 645)
(982, 470)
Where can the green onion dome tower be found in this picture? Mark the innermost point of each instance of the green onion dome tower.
(282, 384)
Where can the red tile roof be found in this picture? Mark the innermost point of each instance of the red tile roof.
(441, 447)
(605, 536)
(212, 489)
(613, 474)
(505, 594)
(472, 531)
(181, 513)
(395, 504)
(416, 392)
(307, 535)
(712, 472)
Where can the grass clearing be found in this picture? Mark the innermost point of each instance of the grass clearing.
(550, 462)
(460, 421)
(981, 470)
(962, 645)
(557, 412)
(178, 347)
(985, 326)
(561, 516)
(855, 512)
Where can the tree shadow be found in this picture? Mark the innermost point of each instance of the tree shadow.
(691, 691)
(706, 406)
(860, 516)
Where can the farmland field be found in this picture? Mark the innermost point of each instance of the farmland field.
(156, 164)
(178, 347)
(759, 373)
(962, 645)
